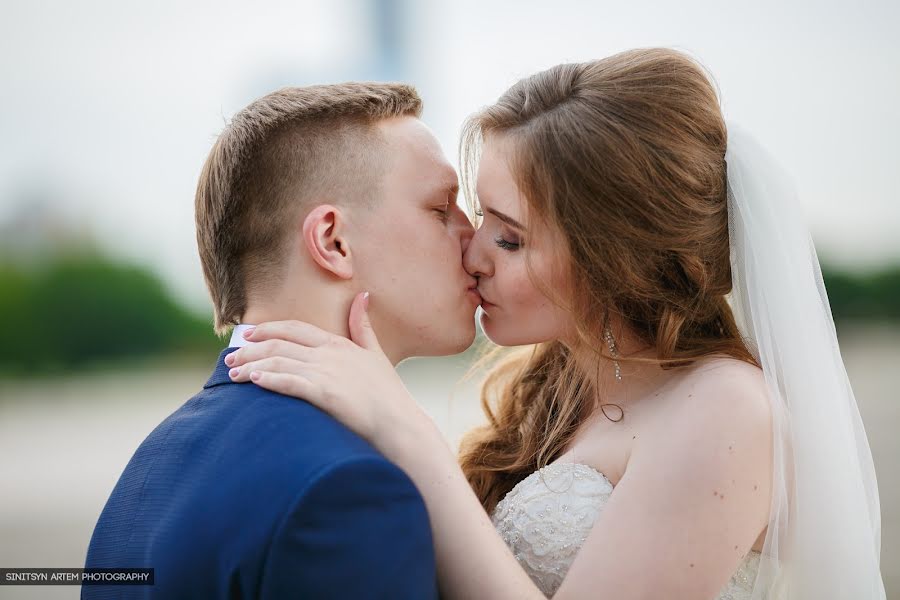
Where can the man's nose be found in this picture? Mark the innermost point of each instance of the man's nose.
(466, 233)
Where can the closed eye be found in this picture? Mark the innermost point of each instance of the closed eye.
(444, 212)
(506, 245)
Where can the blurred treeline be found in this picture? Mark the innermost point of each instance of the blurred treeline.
(871, 295)
(82, 308)
(71, 311)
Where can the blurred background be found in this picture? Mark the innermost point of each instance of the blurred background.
(108, 110)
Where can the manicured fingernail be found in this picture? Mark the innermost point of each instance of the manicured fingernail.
(234, 373)
(255, 375)
(229, 360)
(249, 332)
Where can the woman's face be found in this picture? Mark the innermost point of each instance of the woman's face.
(514, 311)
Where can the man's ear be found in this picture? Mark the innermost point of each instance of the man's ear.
(324, 234)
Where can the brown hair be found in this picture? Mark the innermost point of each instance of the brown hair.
(283, 148)
(625, 157)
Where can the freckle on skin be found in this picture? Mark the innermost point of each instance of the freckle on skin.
(715, 493)
(754, 487)
(692, 565)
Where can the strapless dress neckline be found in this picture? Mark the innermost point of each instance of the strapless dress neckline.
(546, 518)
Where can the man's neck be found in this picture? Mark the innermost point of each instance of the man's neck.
(330, 321)
(333, 319)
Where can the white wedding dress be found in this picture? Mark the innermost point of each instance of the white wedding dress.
(547, 516)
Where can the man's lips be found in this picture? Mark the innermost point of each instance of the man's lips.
(484, 301)
(472, 292)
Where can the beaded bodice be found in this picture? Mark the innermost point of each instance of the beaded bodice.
(547, 516)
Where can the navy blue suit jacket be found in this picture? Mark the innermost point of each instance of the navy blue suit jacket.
(245, 493)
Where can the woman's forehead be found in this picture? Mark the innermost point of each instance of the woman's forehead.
(496, 184)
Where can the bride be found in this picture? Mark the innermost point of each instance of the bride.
(677, 422)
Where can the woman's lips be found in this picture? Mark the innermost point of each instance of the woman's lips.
(474, 295)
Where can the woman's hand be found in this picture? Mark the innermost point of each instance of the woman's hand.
(352, 380)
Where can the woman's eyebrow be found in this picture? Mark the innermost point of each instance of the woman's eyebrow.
(506, 219)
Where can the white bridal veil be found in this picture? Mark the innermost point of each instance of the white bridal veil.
(824, 535)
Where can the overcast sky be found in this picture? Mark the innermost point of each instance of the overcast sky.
(109, 108)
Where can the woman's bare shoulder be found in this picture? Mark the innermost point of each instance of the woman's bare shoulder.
(723, 391)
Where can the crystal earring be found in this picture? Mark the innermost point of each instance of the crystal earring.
(611, 343)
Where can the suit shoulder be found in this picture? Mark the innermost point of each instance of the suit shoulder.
(374, 524)
(350, 472)
(293, 426)
(358, 485)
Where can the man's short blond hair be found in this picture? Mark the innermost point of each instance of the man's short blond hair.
(277, 153)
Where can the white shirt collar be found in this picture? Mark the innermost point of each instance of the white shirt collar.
(237, 336)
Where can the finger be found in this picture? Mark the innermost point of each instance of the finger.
(298, 332)
(285, 383)
(275, 364)
(361, 330)
(266, 349)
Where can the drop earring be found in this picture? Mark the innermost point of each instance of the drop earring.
(611, 343)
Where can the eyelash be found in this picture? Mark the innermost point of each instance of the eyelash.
(508, 246)
(445, 213)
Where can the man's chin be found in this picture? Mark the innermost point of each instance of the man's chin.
(466, 342)
(455, 344)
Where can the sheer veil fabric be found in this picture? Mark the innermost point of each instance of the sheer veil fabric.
(824, 534)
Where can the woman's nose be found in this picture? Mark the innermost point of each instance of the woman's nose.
(475, 262)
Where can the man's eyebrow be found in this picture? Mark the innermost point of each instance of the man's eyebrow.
(448, 189)
(506, 219)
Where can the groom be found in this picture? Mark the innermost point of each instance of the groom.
(308, 197)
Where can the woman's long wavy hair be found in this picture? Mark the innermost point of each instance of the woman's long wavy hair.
(625, 157)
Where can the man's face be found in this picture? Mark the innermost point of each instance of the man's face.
(409, 249)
